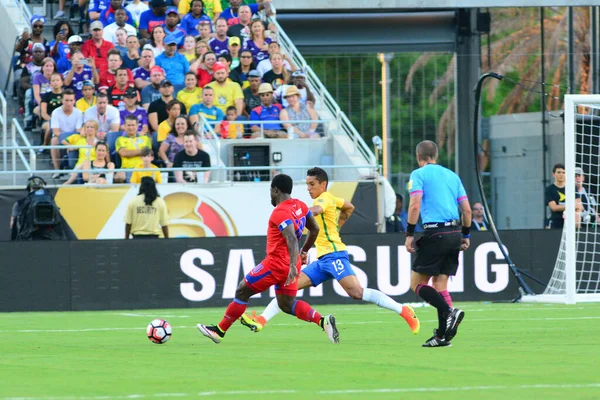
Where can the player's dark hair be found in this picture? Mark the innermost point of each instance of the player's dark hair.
(283, 182)
(148, 189)
(427, 150)
(319, 174)
(558, 166)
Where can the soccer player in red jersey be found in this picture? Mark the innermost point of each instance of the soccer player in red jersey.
(281, 265)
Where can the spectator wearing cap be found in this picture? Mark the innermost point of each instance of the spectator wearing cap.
(299, 80)
(109, 77)
(265, 65)
(227, 93)
(152, 91)
(296, 111)
(234, 51)
(231, 13)
(116, 93)
(64, 63)
(241, 29)
(131, 107)
(107, 116)
(212, 8)
(190, 21)
(25, 43)
(258, 43)
(251, 96)
(141, 74)
(175, 64)
(89, 98)
(81, 70)
(108, 16)
(206, 70)
(157, 112)
(267, 111)
(191, 94)
(155, 16)
(240, 73)
(206, 109)
(219, 44)
(121, 21)
(97, 47)
(172, 29)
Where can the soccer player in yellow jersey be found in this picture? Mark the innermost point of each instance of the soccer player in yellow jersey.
(332, 258)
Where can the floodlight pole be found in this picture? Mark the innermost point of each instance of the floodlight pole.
(385, 59)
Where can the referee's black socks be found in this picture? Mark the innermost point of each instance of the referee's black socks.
(433, 297)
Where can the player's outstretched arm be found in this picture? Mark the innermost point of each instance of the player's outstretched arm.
(292, 245)
(313, 232)
(345, 213)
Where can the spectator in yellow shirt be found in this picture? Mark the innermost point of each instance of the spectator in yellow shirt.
(130, 147)
(212, 8)
(173, 111)
(89, 99)
(147, 158)
(231, 130)
(227, 93)
(191, 94)
(86, 138)
(147, 213)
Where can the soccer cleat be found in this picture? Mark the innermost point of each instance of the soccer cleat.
(212, 332)
(452, 322)
(408, 313)
(254, 323)
(435, 341)
(330, 328)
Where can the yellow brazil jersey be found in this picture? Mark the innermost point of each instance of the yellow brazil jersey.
(329, 240)
(211, 7)
(137, 143)
(164, 128)
(89, 154)
(82, 104)
(136, 176)
(225, 95)
(190, 98)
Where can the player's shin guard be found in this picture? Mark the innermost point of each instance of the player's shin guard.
(446, 295)
(302, 310)
(235, 310)
(271, 311)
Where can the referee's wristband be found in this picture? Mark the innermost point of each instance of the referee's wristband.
(466, 236)
(410, 229)
(466, 230)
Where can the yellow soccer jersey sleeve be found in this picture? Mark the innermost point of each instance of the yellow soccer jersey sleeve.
(329, 240)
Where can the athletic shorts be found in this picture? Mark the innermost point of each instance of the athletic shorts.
(437, 251)
(268, 273)
(329, 266)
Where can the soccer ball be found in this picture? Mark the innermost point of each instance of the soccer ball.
(159, 331)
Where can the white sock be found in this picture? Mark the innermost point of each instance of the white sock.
(271, 310)
(382, 300)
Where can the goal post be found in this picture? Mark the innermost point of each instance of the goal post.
(576, 275)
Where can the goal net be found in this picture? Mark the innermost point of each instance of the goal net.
(576, 275)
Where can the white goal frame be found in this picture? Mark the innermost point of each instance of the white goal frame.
(568, 246)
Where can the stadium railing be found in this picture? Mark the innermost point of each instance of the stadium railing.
(4, 123)
(30, 164)
(321, 123)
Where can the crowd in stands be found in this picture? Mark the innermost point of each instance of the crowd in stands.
(139, 88)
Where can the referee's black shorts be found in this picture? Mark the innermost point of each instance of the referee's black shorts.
(437, 251)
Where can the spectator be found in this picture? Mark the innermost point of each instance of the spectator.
(61, 10)
(129, 148)
(231, 13)
(152, 18)
(147, 157)
(152, 92)
(206, 73)
(59, 47)
(555, 197)
(231, 129)
(108, 15)
(25, 44)
(212, 8)
(298, 80)
(157, 40)
(108, 78)
(33, 68)
(173, 111)
(397, 221)
(219, 44)
(265, 65)
(96, 7)
(97, 47)
(131, 108)
(121, 21)
(121, 41)
(136, 8)
(479, 217)
(141, 74)
(251, 97)
(101, 166)
(202, 48)
(240, 73)
(225, 59)
(175, 64)
(65, 119)
(589, 205)
(64, 63)
(193, 158)
(86, 138)
(147, 213)
(157, 112)
(205, 31)
(116, 93)
(132, 57)
(89, 99)
(173, 144)
(267, 111)
(191, 94)
(171, 27)
(241, 29)
(279, 75)
(234, 51)
(227, 93)
(105, 115)
(81, 70)
(296, 111)
(190, 21)
(41, 85)
(189, 48)
(50, 102)
(206, 109)
(258, 43)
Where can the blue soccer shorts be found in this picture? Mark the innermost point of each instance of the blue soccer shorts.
(330, 266)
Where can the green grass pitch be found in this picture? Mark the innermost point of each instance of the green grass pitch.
(502, 351)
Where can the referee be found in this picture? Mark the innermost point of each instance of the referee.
(147, 213)
(437, 193)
